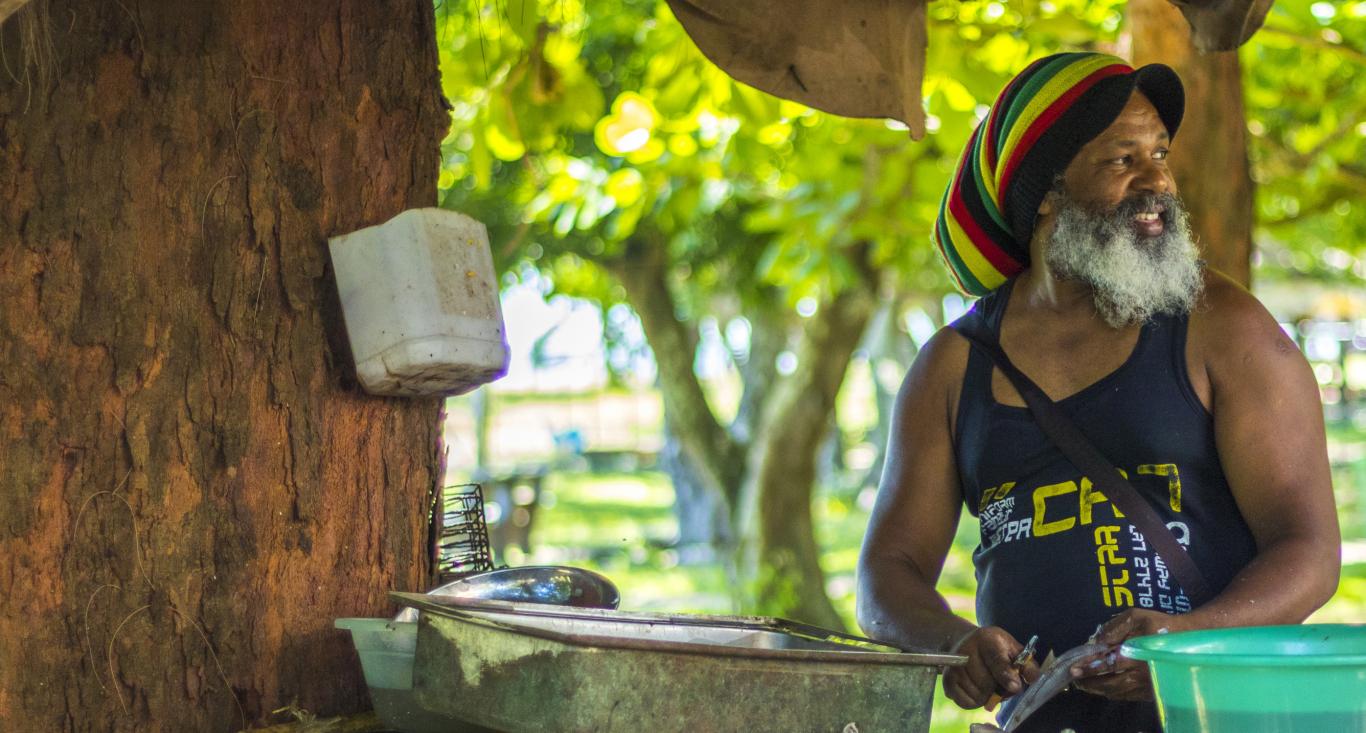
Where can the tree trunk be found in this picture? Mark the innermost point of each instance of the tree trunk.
(768, 482)
(784, 557)
(1209, 156)
(194, 487)
(713, 454)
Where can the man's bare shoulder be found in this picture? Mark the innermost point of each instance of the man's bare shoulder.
(1230, 327)
(934, 381)
(941, 360)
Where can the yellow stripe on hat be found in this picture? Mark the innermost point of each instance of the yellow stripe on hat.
(986, 273)
(1050, 93)
(987, 174)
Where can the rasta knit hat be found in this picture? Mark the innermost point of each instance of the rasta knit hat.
(1036, 127)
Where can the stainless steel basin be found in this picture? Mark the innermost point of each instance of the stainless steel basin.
(522, 667)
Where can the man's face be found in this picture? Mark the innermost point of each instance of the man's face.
(1127, 160)
(1118, 227)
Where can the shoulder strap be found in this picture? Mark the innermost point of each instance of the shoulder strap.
(1068, 438)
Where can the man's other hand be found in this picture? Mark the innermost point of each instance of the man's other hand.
(1114, 675)
(991, 653)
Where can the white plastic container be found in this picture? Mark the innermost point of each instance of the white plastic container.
(420, 299)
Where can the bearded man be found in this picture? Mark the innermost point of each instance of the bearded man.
(1064, 215)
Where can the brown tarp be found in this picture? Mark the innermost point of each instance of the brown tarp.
(856, 58)
(1223, 25)
(866, 58)
(8, 8)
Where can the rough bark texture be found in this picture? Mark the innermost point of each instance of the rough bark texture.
(1209, 157)
(785, 558)
(193, 486)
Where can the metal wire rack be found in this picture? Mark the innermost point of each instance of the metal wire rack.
(463, 547)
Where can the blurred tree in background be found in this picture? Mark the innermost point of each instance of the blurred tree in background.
(613, 160)
(1307, 140)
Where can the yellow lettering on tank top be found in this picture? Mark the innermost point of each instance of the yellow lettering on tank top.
(1112, 584)
(1089, 497)
(1173, 480)
(1041, 495)
(994, 494)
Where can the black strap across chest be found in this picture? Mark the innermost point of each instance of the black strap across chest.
(1081, 453)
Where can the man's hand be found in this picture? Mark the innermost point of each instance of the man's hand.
(990, 670)
(1114, 675)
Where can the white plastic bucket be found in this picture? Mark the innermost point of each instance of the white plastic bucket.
(420, 299)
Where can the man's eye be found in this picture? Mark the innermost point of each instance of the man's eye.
(1160, 155)
(1123, 160)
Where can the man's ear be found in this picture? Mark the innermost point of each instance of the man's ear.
(1048, 206)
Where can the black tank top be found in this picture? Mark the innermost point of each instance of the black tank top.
(1055, 558)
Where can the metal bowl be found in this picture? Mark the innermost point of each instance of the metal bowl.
(553, 585)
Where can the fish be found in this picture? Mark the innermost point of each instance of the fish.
(1054, 677)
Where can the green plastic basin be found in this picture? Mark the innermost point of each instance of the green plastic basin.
(1264, 679)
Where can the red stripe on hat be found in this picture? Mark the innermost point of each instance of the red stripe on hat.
(1051, 115)
(1004, 263)
(998, 111)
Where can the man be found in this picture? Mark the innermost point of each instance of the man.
(1063, 212)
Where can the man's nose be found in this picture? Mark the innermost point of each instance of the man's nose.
(1152, 177)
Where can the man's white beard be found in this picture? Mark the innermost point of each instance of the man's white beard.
(1133, 277)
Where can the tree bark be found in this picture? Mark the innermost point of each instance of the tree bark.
(193, 485)
(1209, 157)
(784, 558)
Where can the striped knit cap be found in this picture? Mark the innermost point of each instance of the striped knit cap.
(1038, 124)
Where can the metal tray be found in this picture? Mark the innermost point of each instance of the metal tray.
(522, 667)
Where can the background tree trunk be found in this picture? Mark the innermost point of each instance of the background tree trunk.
(767, 482)
(1210, 154)
(193, 486)
(784, 557)
(715, 458)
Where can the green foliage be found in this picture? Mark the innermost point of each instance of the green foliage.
(1307, 125)
(578, 126)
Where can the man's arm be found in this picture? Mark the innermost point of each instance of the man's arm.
(1268, 426)
(912, 526)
